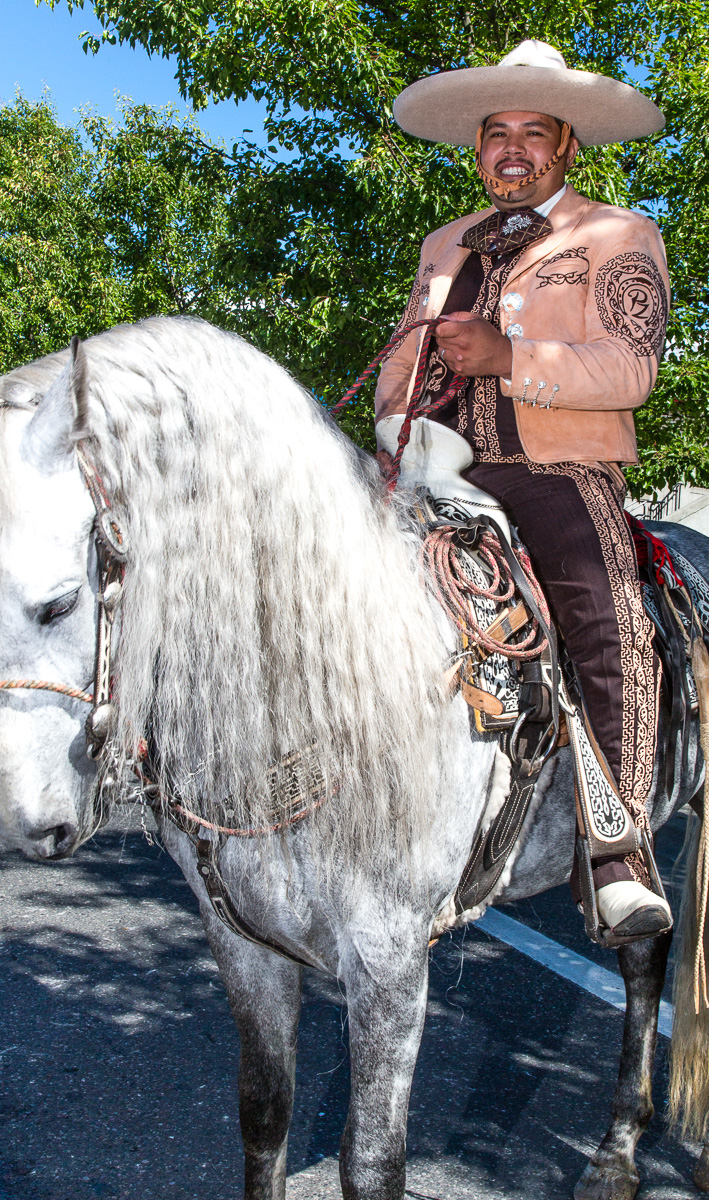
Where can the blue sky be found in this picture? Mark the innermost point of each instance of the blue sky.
(41, 49)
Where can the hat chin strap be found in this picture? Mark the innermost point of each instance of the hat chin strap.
(502, 187)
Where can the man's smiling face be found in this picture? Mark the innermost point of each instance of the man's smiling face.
(516, 144)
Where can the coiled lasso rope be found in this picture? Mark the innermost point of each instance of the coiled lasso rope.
(457, 591)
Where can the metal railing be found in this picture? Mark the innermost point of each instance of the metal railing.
(655, 510)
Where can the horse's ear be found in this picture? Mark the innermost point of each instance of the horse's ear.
(61, 417)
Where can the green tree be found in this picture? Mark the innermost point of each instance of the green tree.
(162, 193)
(109, 222)
(55, 268)
(320, 250)
(672, 176)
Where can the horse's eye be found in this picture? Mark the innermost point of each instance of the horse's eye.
(59, 607)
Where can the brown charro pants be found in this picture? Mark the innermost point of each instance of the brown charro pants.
(570, 517)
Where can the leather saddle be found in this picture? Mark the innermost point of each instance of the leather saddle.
(539, 707)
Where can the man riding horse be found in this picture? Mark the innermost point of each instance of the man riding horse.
(556, 310)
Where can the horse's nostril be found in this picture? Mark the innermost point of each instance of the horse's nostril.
(64, 836)
(56, 841)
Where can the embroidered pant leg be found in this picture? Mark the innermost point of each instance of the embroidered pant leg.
(570, 517)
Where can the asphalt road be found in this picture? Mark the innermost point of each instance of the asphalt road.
(118, 1054)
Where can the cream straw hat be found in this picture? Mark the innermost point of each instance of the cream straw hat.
(451, 105)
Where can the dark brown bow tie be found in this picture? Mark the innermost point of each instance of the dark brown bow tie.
(501, 232)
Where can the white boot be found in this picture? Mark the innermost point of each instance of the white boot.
(629, 908)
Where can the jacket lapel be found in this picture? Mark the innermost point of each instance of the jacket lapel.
(447, 267)
(564, 217)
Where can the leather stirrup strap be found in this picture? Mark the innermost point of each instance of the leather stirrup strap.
(547, 627)
(492, 847)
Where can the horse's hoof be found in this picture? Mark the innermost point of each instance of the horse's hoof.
(700, 1175)
(606, 1183)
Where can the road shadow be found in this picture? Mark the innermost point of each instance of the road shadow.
(119, 1055)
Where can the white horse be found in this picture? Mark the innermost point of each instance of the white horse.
(272, 603)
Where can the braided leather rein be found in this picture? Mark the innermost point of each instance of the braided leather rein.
(43, 685)
(413, 410)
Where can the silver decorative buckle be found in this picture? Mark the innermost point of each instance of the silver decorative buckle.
(515, 222)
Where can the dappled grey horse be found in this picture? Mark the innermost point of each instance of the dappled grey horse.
(272, 604)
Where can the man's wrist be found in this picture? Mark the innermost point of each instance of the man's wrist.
(505, 363)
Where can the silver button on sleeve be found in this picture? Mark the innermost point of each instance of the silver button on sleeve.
(511, 302)
(540, 388)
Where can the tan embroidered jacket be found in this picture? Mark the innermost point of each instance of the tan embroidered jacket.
(594, 302)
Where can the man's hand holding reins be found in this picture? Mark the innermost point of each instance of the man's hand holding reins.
(471, 346)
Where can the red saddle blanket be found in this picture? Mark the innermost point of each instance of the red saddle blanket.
(644, 543)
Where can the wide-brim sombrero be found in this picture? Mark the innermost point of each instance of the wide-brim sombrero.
(450, 106)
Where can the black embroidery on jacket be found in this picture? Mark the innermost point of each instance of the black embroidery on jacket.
(632, 302)
(409, 315)
(571, 266)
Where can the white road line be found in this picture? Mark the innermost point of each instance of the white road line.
(566, 963)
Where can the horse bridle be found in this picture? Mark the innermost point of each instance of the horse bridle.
(111, 554)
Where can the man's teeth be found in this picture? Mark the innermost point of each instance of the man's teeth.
(515, 171)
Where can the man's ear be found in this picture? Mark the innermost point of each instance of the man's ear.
(61, 417)
(571, 151)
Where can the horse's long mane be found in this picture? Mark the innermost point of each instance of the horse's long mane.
(271, 599)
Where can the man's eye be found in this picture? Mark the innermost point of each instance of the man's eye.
(59, 607)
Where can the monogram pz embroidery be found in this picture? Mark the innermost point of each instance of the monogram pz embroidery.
(571, 266)
(632, 302)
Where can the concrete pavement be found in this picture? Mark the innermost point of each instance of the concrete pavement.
(118, 1054)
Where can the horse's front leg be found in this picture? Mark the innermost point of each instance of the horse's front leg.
(386, 977)
(264, 994)
(611, 1173)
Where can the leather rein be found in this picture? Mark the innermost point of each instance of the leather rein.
(111, 553)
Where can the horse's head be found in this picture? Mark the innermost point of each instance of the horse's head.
(269, 601)
(47, 607)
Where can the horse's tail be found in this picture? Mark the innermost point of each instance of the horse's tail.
(689, 1054)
